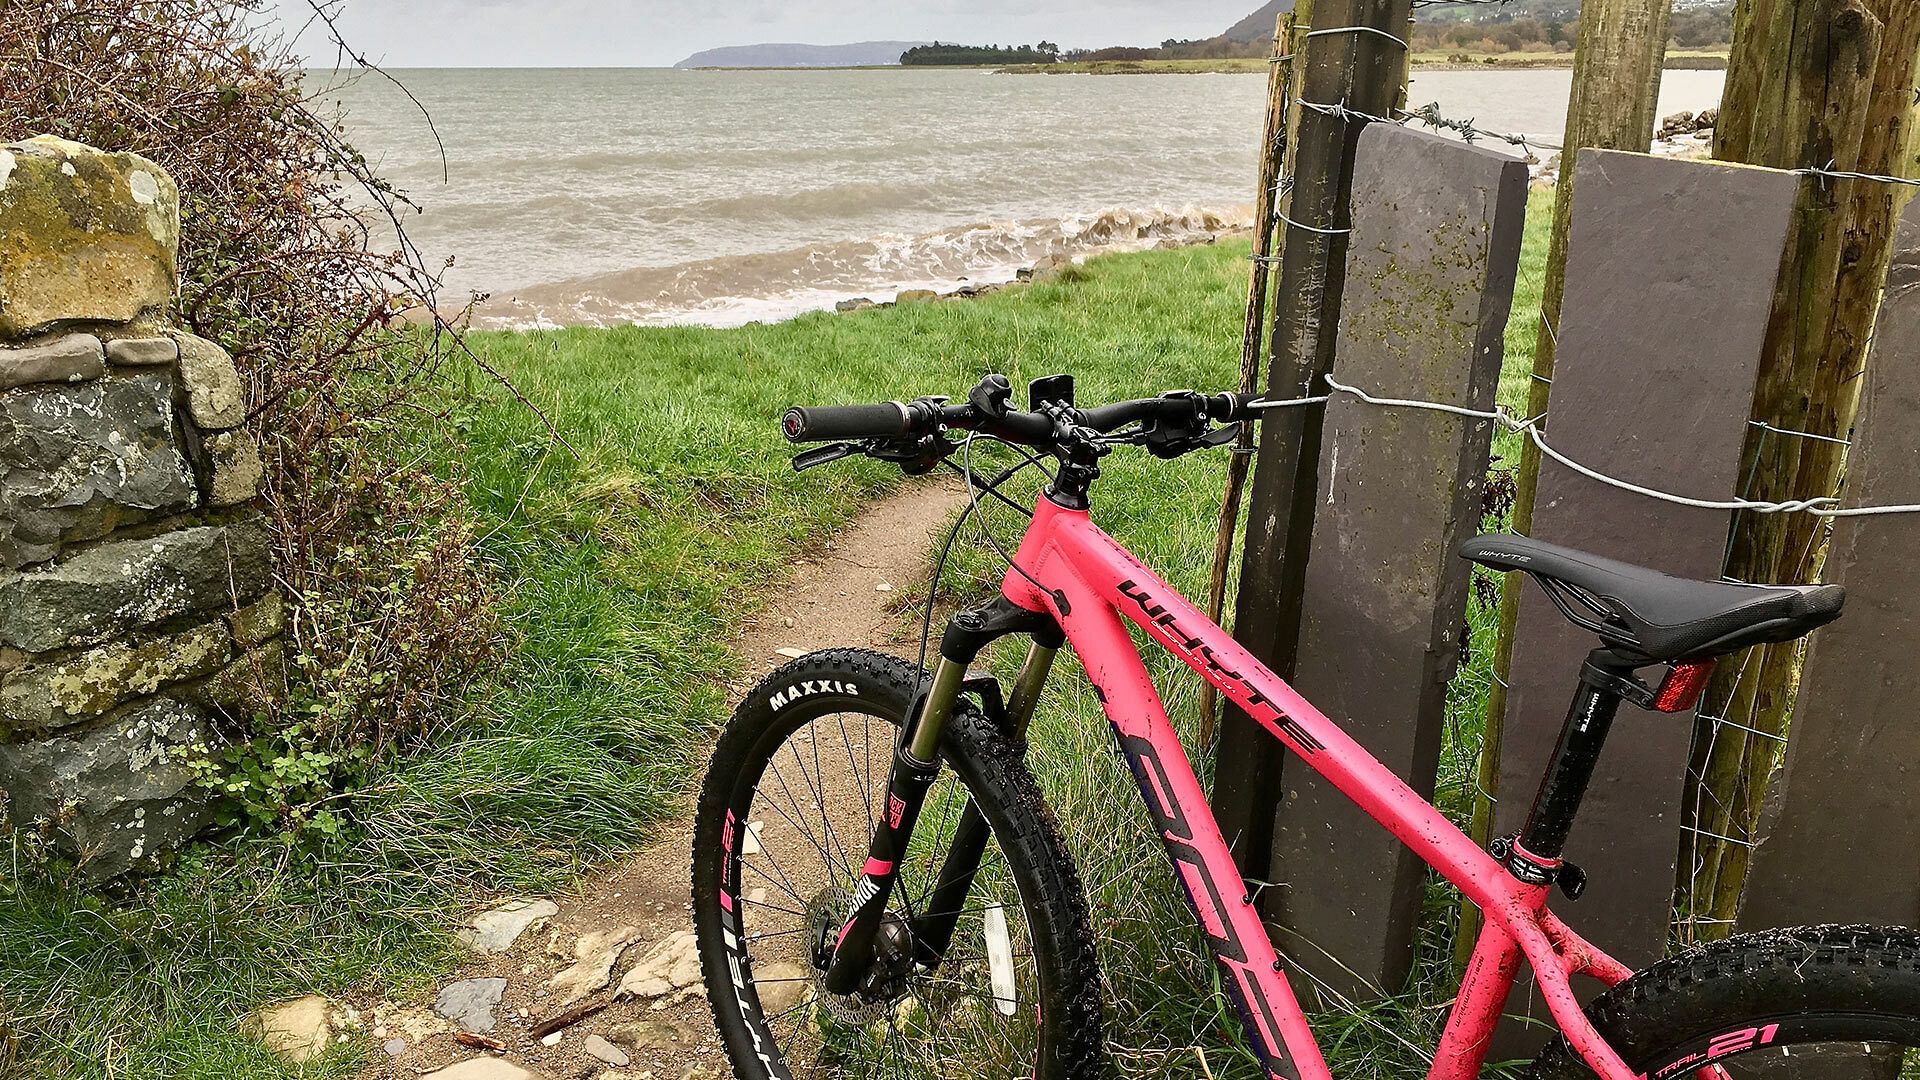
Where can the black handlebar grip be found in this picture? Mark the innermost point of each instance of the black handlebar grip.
(888, 420)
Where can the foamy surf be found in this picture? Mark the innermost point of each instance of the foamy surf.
(737, 290)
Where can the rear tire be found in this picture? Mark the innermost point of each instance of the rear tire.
(1808, 1003)
(802, 712)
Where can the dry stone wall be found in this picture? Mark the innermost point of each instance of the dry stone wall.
(137, 604)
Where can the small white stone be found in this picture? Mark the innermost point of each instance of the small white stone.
(551, 1040)
(883, 587)
(789, 652)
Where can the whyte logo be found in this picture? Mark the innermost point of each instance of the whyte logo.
(1192, 646)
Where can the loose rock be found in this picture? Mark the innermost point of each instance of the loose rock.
(781, 986)
(492, 931)
(606, 1051)
(470, 1003)
(483, 1068)
(297, 1030)
(594, 956)
(858, 303)
(674, 964)
(916, 296)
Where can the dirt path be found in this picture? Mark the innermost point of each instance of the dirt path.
(636, 914)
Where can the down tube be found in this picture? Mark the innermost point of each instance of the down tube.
(1276, 1029)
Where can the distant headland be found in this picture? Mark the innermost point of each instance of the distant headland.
(858, 54)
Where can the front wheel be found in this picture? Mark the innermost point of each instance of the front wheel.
(1808, 1003)
(993, 979)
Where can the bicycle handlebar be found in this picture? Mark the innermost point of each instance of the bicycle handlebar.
(926, 416)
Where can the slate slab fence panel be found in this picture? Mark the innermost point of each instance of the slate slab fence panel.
(1670, 275)
(1429, 281)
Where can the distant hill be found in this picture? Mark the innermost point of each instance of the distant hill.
(1259, 25)
(858, 54)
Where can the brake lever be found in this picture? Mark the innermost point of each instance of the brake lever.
(823, 455)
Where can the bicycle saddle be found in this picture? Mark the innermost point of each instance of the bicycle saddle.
(1663, 618)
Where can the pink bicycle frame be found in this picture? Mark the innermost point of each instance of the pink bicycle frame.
(1100, 582)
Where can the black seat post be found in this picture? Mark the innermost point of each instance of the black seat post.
(1605, 679)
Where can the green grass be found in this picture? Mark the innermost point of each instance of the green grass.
(627, 568)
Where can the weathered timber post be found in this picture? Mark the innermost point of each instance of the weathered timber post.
(1276, 140)
(1616, 89)
(1660, 251)
(1838, 839)
(1429, 280)
(1353, 55)
(1818, 84)
(136, 593)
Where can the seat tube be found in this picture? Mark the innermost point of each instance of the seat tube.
(1595, 705)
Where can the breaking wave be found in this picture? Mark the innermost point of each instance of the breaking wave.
(736, 290)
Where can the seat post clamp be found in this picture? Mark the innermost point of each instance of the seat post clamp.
(1621, 684)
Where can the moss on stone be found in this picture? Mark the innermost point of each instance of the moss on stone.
(84, 235)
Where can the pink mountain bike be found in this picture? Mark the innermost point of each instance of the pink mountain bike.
(879, 888)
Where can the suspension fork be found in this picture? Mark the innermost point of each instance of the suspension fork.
(933, 929)
(915, 766)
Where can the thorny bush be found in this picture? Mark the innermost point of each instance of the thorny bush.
(294, 255)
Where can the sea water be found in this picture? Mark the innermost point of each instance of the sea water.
(653, 196)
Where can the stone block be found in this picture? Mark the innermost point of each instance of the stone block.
(114, 796)
(73, 358)
(84, 235)
(143, 351)
(256, 623)
(127, 584)
(234, 469)
(77, 461)
(215, 399)
(254, 682)
(64, 692)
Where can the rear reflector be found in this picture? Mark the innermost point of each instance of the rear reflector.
(1681, 690)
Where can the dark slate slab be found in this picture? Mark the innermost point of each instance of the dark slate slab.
(1429, 281)
(116, 795)
(123, 585)
(1670, 275)
(1839, 834)
(77, 461)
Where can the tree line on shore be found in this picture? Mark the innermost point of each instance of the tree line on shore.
(946, 54)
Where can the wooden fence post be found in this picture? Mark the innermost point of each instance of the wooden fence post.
(1817, 84)
(1669, 279)
(1838, 839)
(1352, 56)
(1429, 280)
(1276, 143)
(1616, 87)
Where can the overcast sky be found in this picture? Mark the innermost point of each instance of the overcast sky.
(656, 33)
